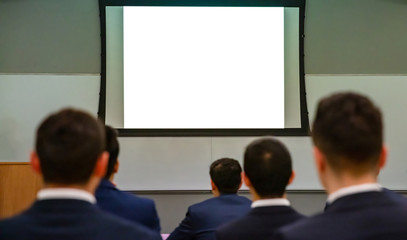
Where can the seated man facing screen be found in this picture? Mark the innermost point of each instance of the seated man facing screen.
(69, 155)
(122, 204)
(349, 153)
(203, 218)
(267, 172)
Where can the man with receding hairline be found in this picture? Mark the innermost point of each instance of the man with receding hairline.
(202, 219)
(69, 155)
(267, 172)
(349, 152)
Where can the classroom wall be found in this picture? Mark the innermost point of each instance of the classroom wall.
(342, 37)
(59, 37)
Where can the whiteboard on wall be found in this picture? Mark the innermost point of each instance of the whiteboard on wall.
(182, 163)
(26, 99)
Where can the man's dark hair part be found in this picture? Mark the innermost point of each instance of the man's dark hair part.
(348, 129)
(226, 175)
(113, 148)
(68, 144)
(267, 164)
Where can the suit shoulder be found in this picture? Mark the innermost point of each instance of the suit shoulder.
(244, 199)
(13, 223)
(233, 226)
(216, 203)
(395, 196)
(119, 225)
(131, 198)
(140, 199)
(302, 224)
(223, 198)
(102, 224)
(202, 204)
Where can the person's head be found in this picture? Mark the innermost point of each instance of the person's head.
(348, 136)
(69, 149)
(225, 176)
(112, 147)
(267, 168)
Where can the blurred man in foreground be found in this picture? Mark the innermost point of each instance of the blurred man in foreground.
(349, 153)
(69, 155)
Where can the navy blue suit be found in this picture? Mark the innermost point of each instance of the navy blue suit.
(68, 219)
(202, 219)
(260, 223)
(127, 206)
(362, 216)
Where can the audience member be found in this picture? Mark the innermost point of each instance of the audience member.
(349, 153)
(267, 172)
(69, 155)
(202, 219)
(122, 204)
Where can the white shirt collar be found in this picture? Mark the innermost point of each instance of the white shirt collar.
(270, 202)
(65, 193)
(367, 187)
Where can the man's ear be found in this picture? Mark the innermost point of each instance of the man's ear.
(213, 186)
(35, 162)
(382, 158)
(246, 180)
(101, 165)
(320, 161)
(241, 180)
(116, 167)
(291, 179)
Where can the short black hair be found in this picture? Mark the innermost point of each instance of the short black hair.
(348, 129)
(226, 175)
(68, 144)
(112, 147)
(267, 164)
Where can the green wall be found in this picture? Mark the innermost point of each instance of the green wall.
(342, 36)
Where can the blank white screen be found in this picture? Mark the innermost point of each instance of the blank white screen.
(203, 67)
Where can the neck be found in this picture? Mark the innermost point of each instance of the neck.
(256, 196)
(74, 186)
(111, 177)
(346, 180)
(215, 192)
(90, 186)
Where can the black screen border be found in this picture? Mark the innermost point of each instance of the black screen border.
(302, 131)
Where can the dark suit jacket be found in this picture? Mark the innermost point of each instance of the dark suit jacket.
(202, 219)
(68, 219)
(126, 205)
(361, 216)
(260, 223)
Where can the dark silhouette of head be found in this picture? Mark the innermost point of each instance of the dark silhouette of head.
(68, 145)
(348, 130)
(226, 175)
(267, 164)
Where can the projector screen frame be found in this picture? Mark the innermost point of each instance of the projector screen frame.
(301, 131)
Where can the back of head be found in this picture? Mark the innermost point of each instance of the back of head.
(112, 147)
(226, 175)
(68, 144)
(267, 164)
(348, 129)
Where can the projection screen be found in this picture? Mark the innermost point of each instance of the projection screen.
(176, 69)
